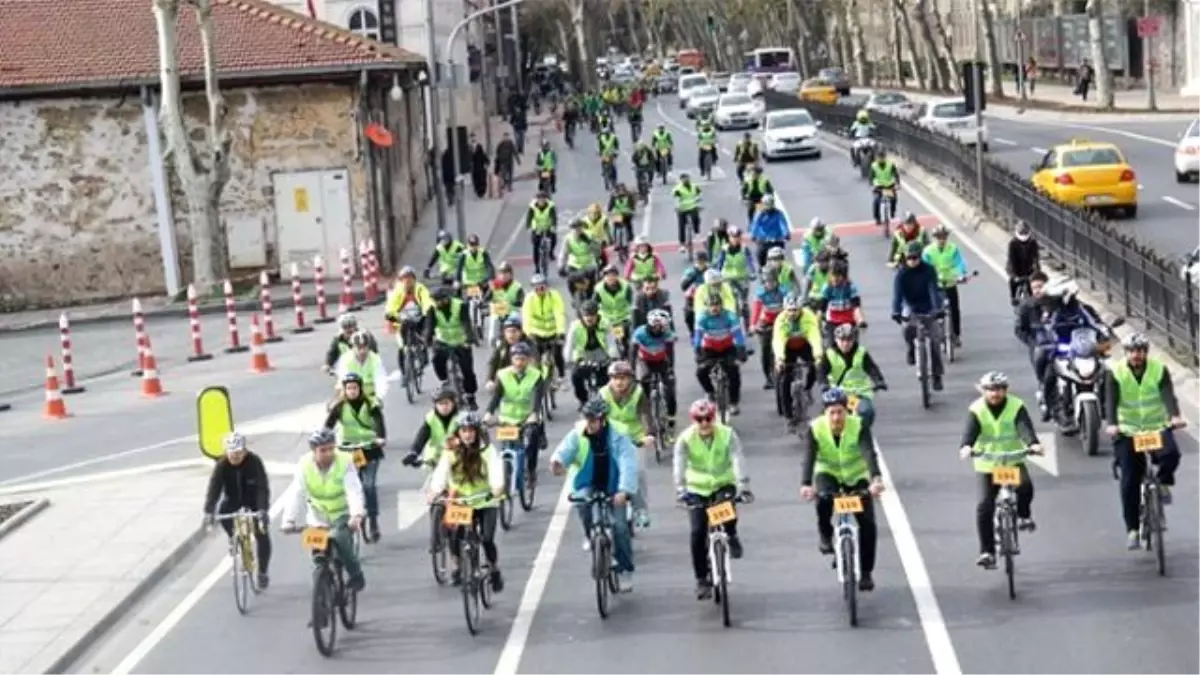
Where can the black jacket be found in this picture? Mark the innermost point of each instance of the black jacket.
(244, 485)
(1024, 257)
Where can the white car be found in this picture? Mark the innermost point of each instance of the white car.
(784, 83)
(789, 133)
(739, 87)
(889, 103)
(688, 84)
(737, 111)
(702, 100)
(741, 77)
(950, 116)
(1187, 154)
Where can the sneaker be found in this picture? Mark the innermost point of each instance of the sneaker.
(682, 248)
(866, 583)
(704, 589)
(910, 356)
(357, 583)
(497, 581)
(735, 548)
(986, 560)
(958, 342)
(624, 582)
(263, 581)
(826, 546)
(456, 578)
(733, 409)
(1133, 541)
(937, 383)
(1026, 524)
(587, 545)
(642, 519)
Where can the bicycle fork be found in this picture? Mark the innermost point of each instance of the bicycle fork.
(715, 536)
(846, 528)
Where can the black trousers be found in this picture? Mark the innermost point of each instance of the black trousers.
(951, 293)
(664, 370)
(868, 532)
(1133, 470)
(985, 524)
(784, 385)
(262, 539)
(466, 363)
(536, 240)
(698, 518)
(485, 525)
(683, 218)
(728, 362)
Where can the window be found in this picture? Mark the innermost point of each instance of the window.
(364, 22)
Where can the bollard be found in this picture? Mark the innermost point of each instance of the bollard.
(258, 348)
(319, 282)
(264, 283)
(139, 331)
(364, 263)
(64, 337)
(298, 302)
(373, 259)
(347, 301)
(235, 345)
(55, 408)
(198, 353)
(151, 385)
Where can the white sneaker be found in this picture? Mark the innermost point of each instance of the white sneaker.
(624, 582)
(587, 545)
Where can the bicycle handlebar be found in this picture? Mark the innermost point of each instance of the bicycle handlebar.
(241, 513)
(703, 503)
(1002, 457)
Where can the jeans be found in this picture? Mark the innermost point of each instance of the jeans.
(442, 353)
(866, 411)
(262, 540)
(868, 533)
(876, 202)
(367, 475)
(622, 537)
(1133, 470)
(698, 518)
(342, 540)
(985, 509)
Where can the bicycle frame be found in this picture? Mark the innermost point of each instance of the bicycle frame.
(846, 527)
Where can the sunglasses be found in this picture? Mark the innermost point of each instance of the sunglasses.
(705, 420)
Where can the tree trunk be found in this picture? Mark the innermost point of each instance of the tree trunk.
(1104, 89)
(906, 32)
(897, 48)
(581, 43)
(858, 44)
(937, 72)
(943, 36)
(797, 32)
(991, 53)
(631, 27)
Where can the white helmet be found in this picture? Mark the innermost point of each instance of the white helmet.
(641, 241)
(1064, 288)
(659, 318)
(815, 223)
(712, 276)
(768, 200)
(235, 442)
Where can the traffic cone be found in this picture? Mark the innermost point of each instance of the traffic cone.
(151, 385)
(258, 348)
(55, 408)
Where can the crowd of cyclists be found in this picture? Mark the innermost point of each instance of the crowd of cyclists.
(614, 334)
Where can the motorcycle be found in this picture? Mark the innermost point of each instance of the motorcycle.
(863, 153)
(1079, 375)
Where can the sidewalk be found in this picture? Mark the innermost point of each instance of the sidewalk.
(1060, 98)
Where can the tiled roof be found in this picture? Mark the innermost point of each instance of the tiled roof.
(90, 42)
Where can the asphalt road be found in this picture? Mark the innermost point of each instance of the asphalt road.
(1167, 210)
(1085, 604)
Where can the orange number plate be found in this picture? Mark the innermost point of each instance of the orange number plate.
(1006, 475)
(719, 514)
(847, 504)
(458, 515)
(314, 538)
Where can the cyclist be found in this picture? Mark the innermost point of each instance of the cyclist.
(475, 266)
(717, 238)
(788, 280)
(511, 334)
(654, 355)
(508, 293)
(544, 319)
(542, 221)
(814, 241)
(796, 338)
(884, 176)
(839, 456)
(327, 486)
(340, 344)
(766, 306)
(473, 468)
(849, 367)
(816, 277)
(998, 423)
(951, 270)
(579, 257)
(833, 246)
(445, 256)
(644, 163)
(664, 145)
(915, 292)
(448, 329)
(359, 419)
(1023, 260)
(367, 365)
(547, 161)
(755, 186)
(650, 297)
(692, 279)
(615, 298)
(709, 466)
(746, 155)
(737, 267)
(596, 225)
(587, 350)
(706, 138)
(624, 205)
(629, 413)
(769, 229)
(714, 284)
(840, 300)
(517, 400)
(239, 481)
(644, 263)
(608, 147)
(687, 208)
(1139, 397)
(909, 230)
(720, 342)
(605, 461)
(438, 425)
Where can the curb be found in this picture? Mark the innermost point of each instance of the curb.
(1042, 105)
(63, 661)
(20, 517)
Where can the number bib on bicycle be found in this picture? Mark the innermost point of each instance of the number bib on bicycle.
(840, 459)
(997, 433)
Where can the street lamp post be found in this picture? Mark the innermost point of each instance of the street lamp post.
(460, 212)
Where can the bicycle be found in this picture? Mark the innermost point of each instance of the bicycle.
(604, 574)
(331, 596)
(741, 292)
(658, 413)
(621, 339)
(948, 346)
(546, 358)
(706, 160)
(439, 536)
(664, 163)
(608, 170)
(886, 198)
(719, 512)
(620, 238)
(721, 392)
(412, 353)
(513, 454)
(545, 253)
(923, 345)
(1007, 475)
(498, 311)
(1022, 291)
(846, 561)
(1152, 519)
(244, 553)
(797, 416)
(546, 181)
(476, 308)
(359, 458)
(474, 573)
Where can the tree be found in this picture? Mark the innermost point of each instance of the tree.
(202, 178)
(939, 70)
(992, 53)
(1104, 90)
(906, 35)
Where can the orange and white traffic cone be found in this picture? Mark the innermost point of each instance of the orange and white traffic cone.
(55, 408)
(151, 385)
(258, 348)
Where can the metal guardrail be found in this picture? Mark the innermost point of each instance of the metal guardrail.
(1133, 279)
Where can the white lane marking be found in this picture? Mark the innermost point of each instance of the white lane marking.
(1106, 130)
(543, 565)
(1180, 204)
(105, 475)
(98, 460)
(1004, 141)
(410, 507)
(1037, 150)
(647, 214)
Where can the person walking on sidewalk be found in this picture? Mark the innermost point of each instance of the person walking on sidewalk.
(506, 159)
(1031, 75)
(479, 168)
(239, 481)
(1087, 75)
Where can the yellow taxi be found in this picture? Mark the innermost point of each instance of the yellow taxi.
(1088, 175)
(818, 91)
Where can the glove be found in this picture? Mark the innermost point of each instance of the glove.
(411, 459)
(898, 319)
(882, 386)
(746, 496)
(209, 520)
(940, 315)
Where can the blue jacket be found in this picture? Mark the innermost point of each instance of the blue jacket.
(917, 289)
(770, 225)
(622, 458)
(691, 276)
(651, 346)
(718, 332)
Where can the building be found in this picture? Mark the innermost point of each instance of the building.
(88, 208)
(1190, 13)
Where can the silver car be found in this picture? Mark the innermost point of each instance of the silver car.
(702, 100)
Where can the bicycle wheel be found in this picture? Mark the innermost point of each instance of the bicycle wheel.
(722, 400)
(1005, 530)
(601, 567)
(324, 610)
(526, 488)
(948, 345)
(242, 581)
(656, 413)
(347, 600)
(721, 579)
(410, 376)
(923, 371)
(1154, 522)
(484, 581)
(470, 592)
(506, 507)
(849, 582)
(439, 552)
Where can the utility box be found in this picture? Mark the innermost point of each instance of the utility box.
(972, 73)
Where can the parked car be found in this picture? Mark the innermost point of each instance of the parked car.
(785, 83)
(702, 100)
(1187, 154)
(950, 116)
(737, 111)
(890, 103)
(789, 133)
(838, 78)
(688, 84)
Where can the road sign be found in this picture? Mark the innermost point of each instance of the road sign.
(1149, 26)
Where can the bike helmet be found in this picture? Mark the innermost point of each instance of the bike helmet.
(234, 442)
(1063, 288)
(770, 273)
(589, 308)
(321, 438)
(595, 408)
(712, 276)
(776, 253)
(611, 269)
(641, 241)
(701, 256)
(941, 232)
(910, 218)
(839, 268)
(347, 321)
(406, 271)
(721, 224)
(845, 331)
(360, 339)
(537, 280)
(473, 240)
(734, 232)
(443, 393)
(833, 243)
(504, 266)
(443, 294)
(834, 396)
(444, 237)
(470, 419)
(620, 369)
(792, 303)
(520, 349)
(513, 321)
(993, 380)
(352, 378)
(1137, 341)
(702, 409)
(816, 225)
(658, 319)
(768, 201)
(1024, 232)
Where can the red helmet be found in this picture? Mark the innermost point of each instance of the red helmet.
(702, 409)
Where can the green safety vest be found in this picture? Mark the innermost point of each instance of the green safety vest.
(542, 222)
(585, 446)
(707, 137)
(458, 482)
(996, 435)
(662, 140)
(644, 267)
(623, 206)
(757, 184)
(615, 307)
(546, 160)
(327, 492)
(447, 256)
(608, 144)
(1140, 407)
(438, 433)
(541, 320)
(709, 463)
(579, 339)
(365, 370)
(815, 244)
(517, 404)
(943, 261)
(687, 198)
(624, 416)
(817, 278)
(474, 267)
(356, 426)
(842, 460)
(883, 175)
(853, 379)
(447, 326)
(581, 255)
(736, 266)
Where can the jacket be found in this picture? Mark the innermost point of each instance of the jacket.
(917, 289)
(1024, 257)
(622, 457)
(770, 225)
(245, 485)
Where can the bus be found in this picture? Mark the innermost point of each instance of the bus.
(771, 60)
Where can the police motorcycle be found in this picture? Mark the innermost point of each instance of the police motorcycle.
(1079, 367)
(863, 154)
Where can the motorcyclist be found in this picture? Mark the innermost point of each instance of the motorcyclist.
(847, 365)
(719, 342)
(1023, 259)
(769, 229)
(542, 222)
(860, 128)
(764, 308)
(1031, 314)
(915, 292)
(909, 230)
(587, 351)
(692, 279)
(1066, 314)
